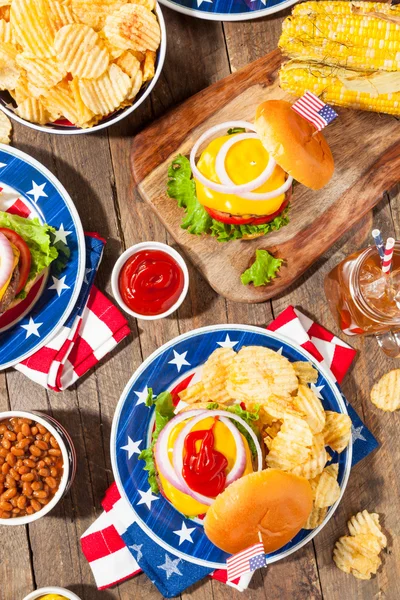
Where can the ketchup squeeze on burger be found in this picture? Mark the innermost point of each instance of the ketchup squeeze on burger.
(204, 471)
(150, 282)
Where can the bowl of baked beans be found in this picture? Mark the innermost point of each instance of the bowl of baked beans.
(52, 593)
(37, 466)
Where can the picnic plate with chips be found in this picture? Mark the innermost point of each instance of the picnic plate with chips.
(29, 190)
(177, 366)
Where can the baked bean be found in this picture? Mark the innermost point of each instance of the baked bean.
(27, 489)
(3, 452)
(7, 506)
(35, 450)
(39, 436)
(25, 429)
(23, 470)
(47, 437)
(4, 514)
(34, 430)
(15, 511)
(55, 452)
(48, 461)
(11, 459)
(14, 421)
(42, 445)
(41, 464)
(53, 472)
(44, 472)
(5, 468)
(15, 475)
(37, 485)
(3, 428)
(17, 451)
(20, 436)
(29, 463)
(6, 443)
(10, 481)
(51, 482)
(40, 494)
(25, 420)
(9, 494)
(23, 443)
(35, 505)
(28, 477)
(53, 442)
(30, 510)
(21, 502)
(10, 435)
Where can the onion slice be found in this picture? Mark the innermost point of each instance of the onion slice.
(6, 260)
(269, 195)
(180, 443)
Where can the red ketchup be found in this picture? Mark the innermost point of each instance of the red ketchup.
(204, 471)
(150, 282)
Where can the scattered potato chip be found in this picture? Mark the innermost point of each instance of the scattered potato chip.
(60, 15)
(316, 517)
(5, 129)
(194, 393)
(41, 72)
(386, 393)
(105, 94)
(31, 21)
(337, 430)
(258, 372)
(316, 461)
(94, 12)
(308, 403)
(291, 446)
(365, 522)
(149, 65)
(328, 489)
(33, 110)
(358, 555)
(78, 48)
(305, 372)
(133, 27)
(215, 372)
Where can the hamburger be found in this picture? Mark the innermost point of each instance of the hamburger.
(26, 251)
(241, 185)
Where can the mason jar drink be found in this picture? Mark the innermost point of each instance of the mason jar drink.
(366, 301)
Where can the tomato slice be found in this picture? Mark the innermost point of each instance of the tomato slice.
(224, 217)
(25, 258)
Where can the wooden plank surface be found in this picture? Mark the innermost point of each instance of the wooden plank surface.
(95, 170)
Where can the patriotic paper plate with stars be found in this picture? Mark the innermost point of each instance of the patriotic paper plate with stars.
(28, 189)
(174, 367)
(228, 10)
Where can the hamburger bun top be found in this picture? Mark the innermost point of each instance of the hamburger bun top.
(271, 502)
(294, 143)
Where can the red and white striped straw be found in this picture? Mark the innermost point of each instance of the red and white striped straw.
(387, 259)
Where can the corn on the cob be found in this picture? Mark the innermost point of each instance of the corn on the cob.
(355, 41)
(339, 7)
(324, 81)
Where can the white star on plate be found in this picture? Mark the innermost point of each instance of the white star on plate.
(227, 343)
(37, 191)
(200, 2)
(356, 433)
(61, 235)
(87, 271)
(317, 390)
(147, 498)
(32, 328)
(2, 165)
(170, 566)
(132, 447)
(179, 360)
(184, 533)
(137, 548)
(280, 350)
(142, 396)
(59, 285)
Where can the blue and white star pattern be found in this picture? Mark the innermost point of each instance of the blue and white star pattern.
(328, 114)
(170, 566)
(46, 199)
(169, 528)
(224, 10)
(257, 562)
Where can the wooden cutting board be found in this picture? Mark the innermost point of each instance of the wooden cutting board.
(365, 146)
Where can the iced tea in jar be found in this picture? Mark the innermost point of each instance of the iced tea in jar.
(364, 300)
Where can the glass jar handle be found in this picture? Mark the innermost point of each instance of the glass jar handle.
(390, 343)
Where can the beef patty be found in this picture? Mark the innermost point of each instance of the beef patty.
(10, 292)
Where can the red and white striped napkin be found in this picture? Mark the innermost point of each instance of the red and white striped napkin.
(110, 559)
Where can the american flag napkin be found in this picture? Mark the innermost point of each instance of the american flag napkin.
(117, 548)
(93, 329)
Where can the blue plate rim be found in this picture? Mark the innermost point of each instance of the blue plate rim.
(144, 365)
(244, 16)
(81, 245)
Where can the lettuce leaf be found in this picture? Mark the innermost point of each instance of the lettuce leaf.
(263, 270)
(181, 187)
(38, 239)
(164, 412)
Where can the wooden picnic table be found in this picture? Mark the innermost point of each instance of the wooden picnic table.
(95, 170)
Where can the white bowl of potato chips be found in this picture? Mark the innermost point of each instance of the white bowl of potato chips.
(76, 66)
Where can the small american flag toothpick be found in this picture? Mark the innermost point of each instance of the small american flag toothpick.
(311, 108)
(247, 560)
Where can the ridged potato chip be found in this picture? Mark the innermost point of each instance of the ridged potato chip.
(6, 32)
(21, 91)
(42, 73)
(149, 65)
(194, 393)
(59, 101)
(150, 4)
(337, 430)
(85, 115)
(131, 66)
(94, 12)
(79, 49)
(31, 22)
(258, 372)
(33, 110)
(5, 129)
(305, 372)
(307, 403)
(386, 393)
(316, 461)
(365, 522)
(358, 555)
(328, 489)
(60, 15)
(105, 94)
(277, 407)
(316, 517)
(291, 446)
(133, 27)
(215, 374)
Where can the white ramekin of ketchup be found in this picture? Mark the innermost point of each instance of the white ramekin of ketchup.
(150, 280)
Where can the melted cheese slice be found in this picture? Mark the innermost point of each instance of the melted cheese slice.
(16, 261)
(224, 443)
